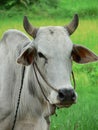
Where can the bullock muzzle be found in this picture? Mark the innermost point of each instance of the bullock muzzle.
(67, 97)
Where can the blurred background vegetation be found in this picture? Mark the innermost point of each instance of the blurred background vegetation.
(40, 9)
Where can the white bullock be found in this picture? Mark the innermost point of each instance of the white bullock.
(46, 80)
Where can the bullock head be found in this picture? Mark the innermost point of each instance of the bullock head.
(53, 52)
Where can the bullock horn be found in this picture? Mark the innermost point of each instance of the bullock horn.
(73, 24)
(32, 31)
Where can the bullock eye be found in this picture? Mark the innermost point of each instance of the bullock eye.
(42, 56)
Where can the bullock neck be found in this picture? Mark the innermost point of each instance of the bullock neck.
(50, 106)
(35, 92)
(33, 88)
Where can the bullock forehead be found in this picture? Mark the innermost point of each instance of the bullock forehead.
(52, 31)
(53, 38)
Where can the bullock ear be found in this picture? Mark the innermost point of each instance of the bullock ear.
(27, 56)
(83, 55)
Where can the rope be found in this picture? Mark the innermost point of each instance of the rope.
(74, 80)
(39, 83)
(44, 78)
(19, 97)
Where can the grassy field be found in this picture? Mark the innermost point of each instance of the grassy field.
(84, 114)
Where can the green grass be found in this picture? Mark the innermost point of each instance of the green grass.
(84, 114)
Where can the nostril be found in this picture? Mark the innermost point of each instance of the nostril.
(61, 96)
(73, 96)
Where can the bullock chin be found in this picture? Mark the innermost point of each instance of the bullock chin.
(65, 104)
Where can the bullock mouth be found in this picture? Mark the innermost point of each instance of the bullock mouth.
(67, 104)
(62, 106)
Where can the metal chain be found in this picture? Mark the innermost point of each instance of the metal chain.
(19, 97)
